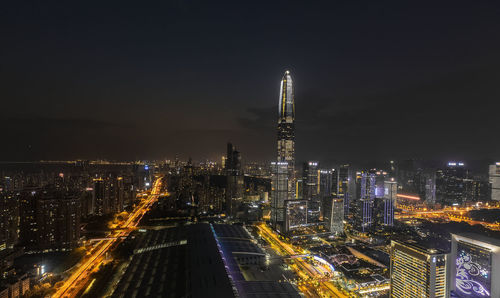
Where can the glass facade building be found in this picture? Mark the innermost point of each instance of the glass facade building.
(286, 129)
(334, 215)
(279, 193)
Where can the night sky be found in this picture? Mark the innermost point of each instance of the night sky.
(374, 80)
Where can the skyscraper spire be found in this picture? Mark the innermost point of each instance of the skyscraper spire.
(286, 130)
(283, 182)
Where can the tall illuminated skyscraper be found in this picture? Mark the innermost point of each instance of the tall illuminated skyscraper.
(283, 170)
(286, 130)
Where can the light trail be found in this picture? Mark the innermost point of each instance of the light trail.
(416, 198)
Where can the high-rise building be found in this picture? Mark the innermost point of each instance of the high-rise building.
(310, 180)
(417, 271)
(430, 188)
(286, 130)
(28, 229)
(474, 267)
(450, 184)
(334, 215)
(234, 192)
(327, 183)
(295, 214)
(390, 195)
(279, 193)
(49, 219)
(495, 181)
(99, 192)
(9, 219)
(365, 204)
(342, 189)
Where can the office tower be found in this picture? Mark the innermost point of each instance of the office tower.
(279, 193)
(390, 195)
(295, 214)
(430, 188)
(334, 215)
(286, 130)
(343, 188)
(450, 184)
(474, 267)
(327, 183)
(310, 178)
(417, 271)
(234, 175)
(366, 200)
(495, 181)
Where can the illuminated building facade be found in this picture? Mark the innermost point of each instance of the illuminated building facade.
(417, 271)
(295, 214)
(343, 187)
(279, 193)
(474, 269)
(286, 130)
(334, 215)
(310, 180)
(495, 181)
(366, 200)
(450, 184)
(390, 194)
(9, 219)
(430, 188)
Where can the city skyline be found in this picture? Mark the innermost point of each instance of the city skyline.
(142, 154)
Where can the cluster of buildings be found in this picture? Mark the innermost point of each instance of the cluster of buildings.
(43, 210)
(471, 269)
(43, 207)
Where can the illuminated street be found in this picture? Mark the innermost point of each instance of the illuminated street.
(314, 283)
(80, 278)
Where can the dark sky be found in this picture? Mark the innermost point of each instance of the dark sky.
(374, 80)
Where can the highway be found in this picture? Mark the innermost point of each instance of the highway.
(314, 282)
(457, 214)
(80, 278)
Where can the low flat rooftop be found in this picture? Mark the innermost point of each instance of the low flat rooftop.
(175, 262)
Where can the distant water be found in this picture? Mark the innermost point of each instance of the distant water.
(487, 215)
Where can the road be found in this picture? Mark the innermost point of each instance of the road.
(459, 215)
(314, 282)
(81, 276)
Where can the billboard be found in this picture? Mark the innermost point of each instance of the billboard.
(473, 264)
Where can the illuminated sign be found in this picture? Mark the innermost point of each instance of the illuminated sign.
(473, 277)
